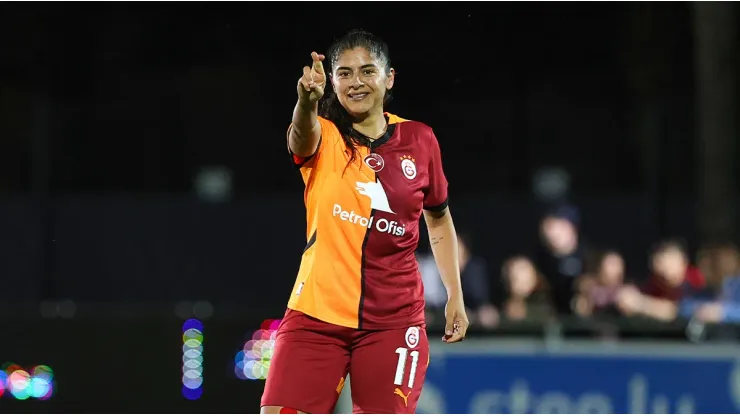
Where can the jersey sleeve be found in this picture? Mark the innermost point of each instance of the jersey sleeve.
(329, 134)
(435, 198)
(307, 161)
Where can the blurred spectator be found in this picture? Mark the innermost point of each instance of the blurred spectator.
(475, 284)
(721, 266)
(673, 279)
(435, 293)
(673, 275)
(598, 288)
(525, 291)
(560, 256)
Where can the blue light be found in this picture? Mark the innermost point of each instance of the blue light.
(192, 394)
(192, 359)
(192, 324)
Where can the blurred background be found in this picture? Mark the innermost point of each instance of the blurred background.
(151, 223)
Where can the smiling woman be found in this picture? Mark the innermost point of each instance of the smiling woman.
(357, 306)
(362, 82)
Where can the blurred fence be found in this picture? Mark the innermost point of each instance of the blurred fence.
(126, 262)
(129, 358)
(576, 366)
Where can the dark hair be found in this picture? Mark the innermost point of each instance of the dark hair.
(540, 285)
(566, 212)
(595, 259)
(331, 108)
(670, 244)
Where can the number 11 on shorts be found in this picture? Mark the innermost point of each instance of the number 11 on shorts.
(403, 354)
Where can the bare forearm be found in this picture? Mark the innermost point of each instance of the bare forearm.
(443, 241)
(660, 309)
(305, 132)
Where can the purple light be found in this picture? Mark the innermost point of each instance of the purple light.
(192, 324)
(193, 394)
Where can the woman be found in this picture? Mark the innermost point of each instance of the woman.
(599, 288)
(525, 291)
(357, 306)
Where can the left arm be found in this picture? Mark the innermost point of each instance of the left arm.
(631, 301)
(659, 309)
(443, 240)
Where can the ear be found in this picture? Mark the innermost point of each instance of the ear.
(391, 79)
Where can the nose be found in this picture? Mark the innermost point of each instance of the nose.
(356, 82)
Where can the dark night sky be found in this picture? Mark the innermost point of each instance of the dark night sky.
(141, 94)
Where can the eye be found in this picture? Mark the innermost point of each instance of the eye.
(343, 74)
(368, 72)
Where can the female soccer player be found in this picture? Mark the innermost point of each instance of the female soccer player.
(357, 306)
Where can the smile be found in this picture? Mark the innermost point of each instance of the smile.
(357, 96)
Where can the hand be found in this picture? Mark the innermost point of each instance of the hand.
(456, 320)
(710, 312)
(583, 306)
(629, 300)
(311, 84)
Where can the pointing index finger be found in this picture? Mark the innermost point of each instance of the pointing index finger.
(317, 65)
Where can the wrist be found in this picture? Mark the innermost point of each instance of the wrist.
(454, 293)
(305, 104)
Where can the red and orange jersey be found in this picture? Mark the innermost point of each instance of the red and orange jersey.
(358, 269)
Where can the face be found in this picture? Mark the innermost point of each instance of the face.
(558, 232)
(522, 277)
(612, 269)
(360, 82)
(671, 264)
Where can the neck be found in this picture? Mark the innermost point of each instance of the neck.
(372, 125)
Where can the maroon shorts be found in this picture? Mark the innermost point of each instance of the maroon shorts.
(312, 359)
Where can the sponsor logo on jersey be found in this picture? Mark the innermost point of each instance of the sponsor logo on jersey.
(378, 202)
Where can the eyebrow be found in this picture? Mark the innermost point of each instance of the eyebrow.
(362, 67)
